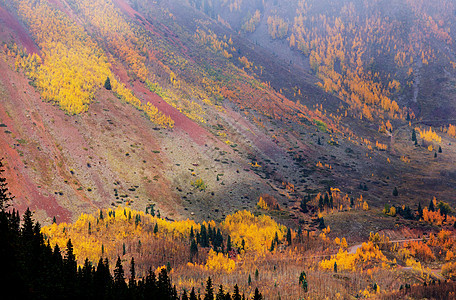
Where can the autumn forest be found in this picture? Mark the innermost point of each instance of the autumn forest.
(228, 149)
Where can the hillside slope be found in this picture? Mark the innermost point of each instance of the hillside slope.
(201, 120)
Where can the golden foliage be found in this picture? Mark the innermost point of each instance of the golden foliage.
(257, 232)
(429, 135)
(262, 204)
(72, 65)
(366, 256)
(219, 262)
(91, 235)
(277, 27)
(253, 22)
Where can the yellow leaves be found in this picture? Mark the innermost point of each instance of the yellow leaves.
(449, 255)
(277, 27)
(451, 130)
(367, 255)
(257, 232)
(245, 62)
(255, 165)
(262, 204)
(405, 159)
(365, 206)
(90, 233)
(220, 262)
(199, 184)
(449, 270)
(429, 135)
(252, 23)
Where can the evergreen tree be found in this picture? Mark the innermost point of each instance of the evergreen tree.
(220, 294)
(257, 295)
(184, 295)
(193, 294)
(119, 285)
(395, 192)
(431, 205)
(192, 234)
(150, 287)
(165, 290)
(414, 135)
(236, 294)
(321, 224)
(193, 249)
(107, 84)
(289, 236)
(102, 279)
(228, 244)
(203, 236)
(5, 195)
(420, 211)
(303, 204)
(132, 282)
(209, 295)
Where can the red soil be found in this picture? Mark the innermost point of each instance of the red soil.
(8, 20)
(20, 183)
(181, 122)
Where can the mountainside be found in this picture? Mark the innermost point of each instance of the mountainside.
(303, 147)
(209, 110)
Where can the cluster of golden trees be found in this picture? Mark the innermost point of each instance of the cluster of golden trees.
(277, 27)
(429, 135)
(343, 47)
(366, 256)
(253, 22)
(72, 65)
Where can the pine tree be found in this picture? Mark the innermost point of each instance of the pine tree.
(119, 285)
(209, 295)
(420, 211)
(303, 204)
(193, 294)
(236, 294)
(107, 84)
(165, 290)
(414, 136)
(321, 224)
(431, 205)
(132, 282)
(193, 249)
(102, 279)
(228, 244)
(257, 295)
(150, 287)
(5, 195)
(69, 270)
(220, 294)
(289, 236)
(184, 295)
(395, 192)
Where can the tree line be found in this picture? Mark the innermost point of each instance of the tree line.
(32, 269)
